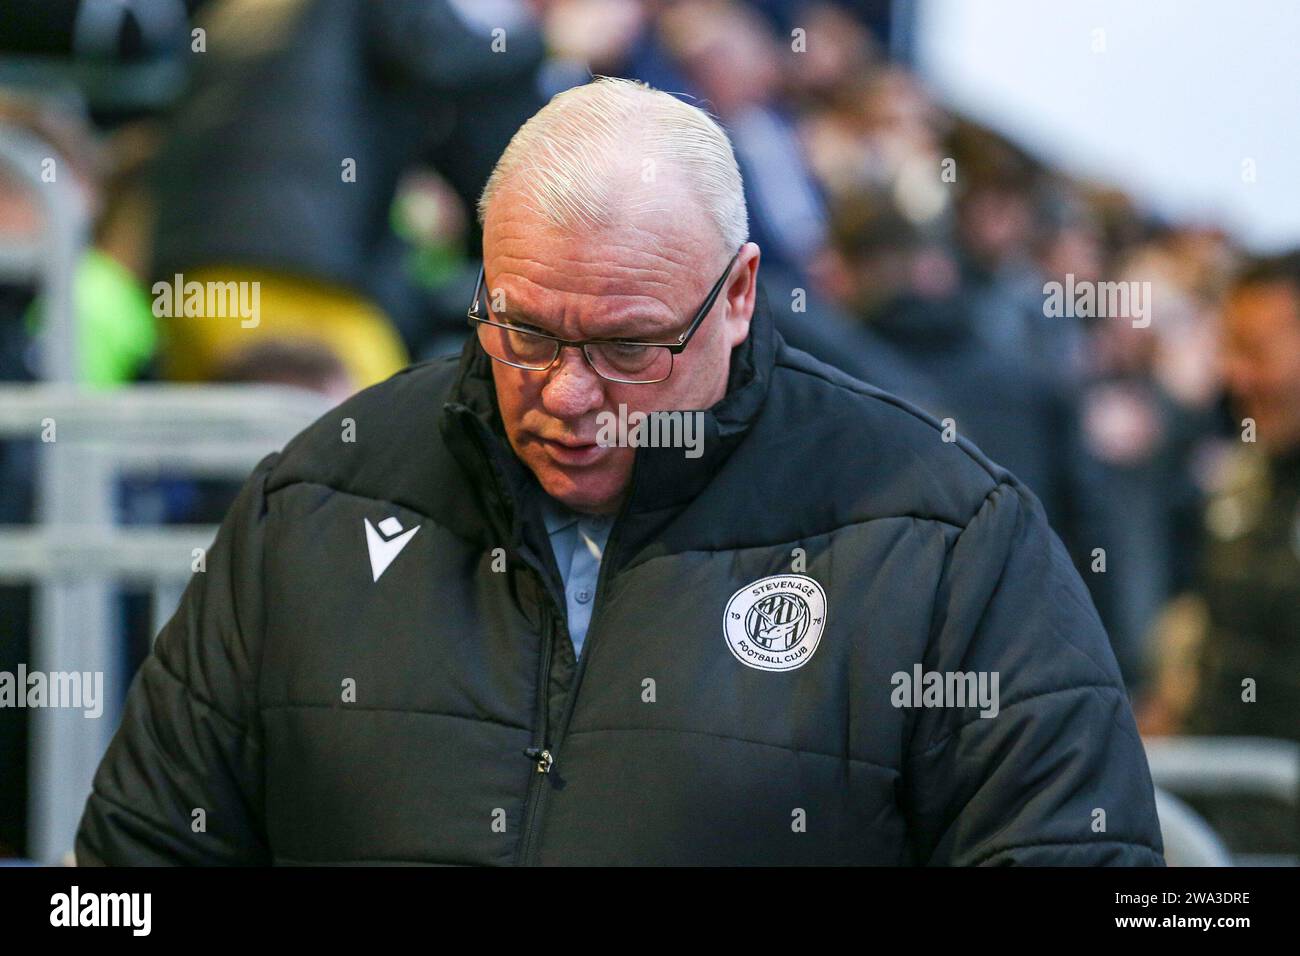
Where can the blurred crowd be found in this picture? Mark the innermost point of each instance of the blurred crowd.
(332, 151)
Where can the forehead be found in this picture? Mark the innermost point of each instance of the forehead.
(636, 277)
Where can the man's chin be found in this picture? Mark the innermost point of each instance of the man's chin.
(596, 492)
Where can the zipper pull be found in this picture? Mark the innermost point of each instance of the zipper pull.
(542, 757)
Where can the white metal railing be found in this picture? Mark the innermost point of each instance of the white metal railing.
(76, 553)
(1188, 839)
(1227, 767)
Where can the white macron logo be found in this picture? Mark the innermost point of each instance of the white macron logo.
(386, 543)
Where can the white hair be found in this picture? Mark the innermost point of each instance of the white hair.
(564, 161)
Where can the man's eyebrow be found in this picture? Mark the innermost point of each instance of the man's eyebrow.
(511, 317)
(624, 329)
(634, 329)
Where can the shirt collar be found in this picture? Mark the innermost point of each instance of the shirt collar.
(556, 515)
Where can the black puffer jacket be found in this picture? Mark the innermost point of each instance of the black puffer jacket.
(316, 714)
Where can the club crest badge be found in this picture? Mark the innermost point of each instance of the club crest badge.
(775, 623)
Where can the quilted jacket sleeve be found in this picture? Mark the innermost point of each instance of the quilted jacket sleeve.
(1058, 775)
(188, 741)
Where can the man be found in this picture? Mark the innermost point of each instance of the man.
(1229, 648)
(1238, 669)
(385, 662)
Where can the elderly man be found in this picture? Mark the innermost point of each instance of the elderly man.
(465, 619)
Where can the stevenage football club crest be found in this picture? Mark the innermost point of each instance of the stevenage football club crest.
(775, 623)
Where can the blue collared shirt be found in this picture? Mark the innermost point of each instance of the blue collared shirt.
(578, 541)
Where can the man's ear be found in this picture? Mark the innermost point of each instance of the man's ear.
(740, 293)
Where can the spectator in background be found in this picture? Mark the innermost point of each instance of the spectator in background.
(1230, 650)
(604, 37)
(732, 59)
(997, 223)
(115, 329)
(904, 284)
(1150, 416)
(282, 162)
(306, 365)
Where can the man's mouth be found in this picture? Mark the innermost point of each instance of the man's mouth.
(572, 451)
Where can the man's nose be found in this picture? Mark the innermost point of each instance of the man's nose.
(572, 386)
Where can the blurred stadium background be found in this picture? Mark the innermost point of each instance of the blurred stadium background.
(916, 170)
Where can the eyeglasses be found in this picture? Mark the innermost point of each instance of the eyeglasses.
(629, 362)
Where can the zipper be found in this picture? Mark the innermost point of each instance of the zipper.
(539, 752)
(529, 847)
(542, 752)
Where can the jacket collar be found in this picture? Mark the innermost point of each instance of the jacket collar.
(663, 479)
